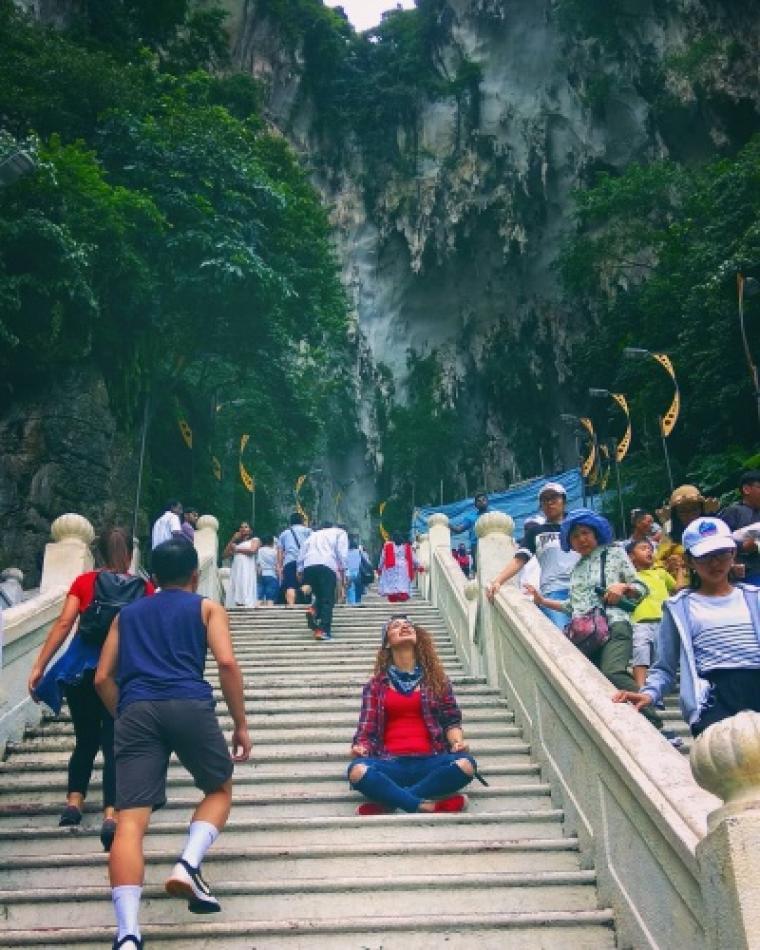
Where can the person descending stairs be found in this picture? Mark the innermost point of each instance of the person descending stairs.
(296, 867)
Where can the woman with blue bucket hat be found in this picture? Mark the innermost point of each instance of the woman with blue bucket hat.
(605, 579)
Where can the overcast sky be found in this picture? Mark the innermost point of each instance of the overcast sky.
(366, 13)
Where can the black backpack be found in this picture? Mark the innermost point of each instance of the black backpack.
(112, 592)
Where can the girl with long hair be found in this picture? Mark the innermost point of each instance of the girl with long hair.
(72, 676)
(397, 568)
(409, 750)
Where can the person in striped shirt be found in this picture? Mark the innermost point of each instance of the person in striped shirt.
(712, 630)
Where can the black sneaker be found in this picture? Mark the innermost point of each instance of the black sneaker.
(185, 881)
(71, 817)
(130, 942)
(107, 832)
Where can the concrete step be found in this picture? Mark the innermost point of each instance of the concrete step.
(320, 899)
(300, 832)
(20, 788)
(560, 854)
(286, 719)
(581, 930)
(295, 803)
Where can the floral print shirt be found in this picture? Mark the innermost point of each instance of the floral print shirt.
(587, 574)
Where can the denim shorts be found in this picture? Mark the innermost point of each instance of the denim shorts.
(269, 587)
(644, 639)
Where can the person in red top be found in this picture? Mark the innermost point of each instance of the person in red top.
(72, 676)
(409, 751)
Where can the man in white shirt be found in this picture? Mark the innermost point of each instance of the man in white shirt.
(168, 525)
(322, 560)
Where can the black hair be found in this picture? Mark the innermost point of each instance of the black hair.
(677, 527)
(635, 543)
(115, 548)
(480, 494)
(637, 515)
(325, 524)
(173, 562)
(296, 518)
(398, 537)
(749, 477)
(267, 540)
(191, 509)
(172, 503)
(353, 541)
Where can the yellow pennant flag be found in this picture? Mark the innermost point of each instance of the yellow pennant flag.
(588, 463)
(243, 442)
(383, 533)
(625, 443)
(246, 478)
(216, 468)
(186, 432)
(668, 421)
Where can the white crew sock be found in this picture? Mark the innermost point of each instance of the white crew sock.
(200, 836)
(126, 905)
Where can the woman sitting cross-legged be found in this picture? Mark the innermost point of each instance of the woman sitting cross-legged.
(409, 750)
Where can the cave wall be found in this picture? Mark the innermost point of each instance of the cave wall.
(461, 254)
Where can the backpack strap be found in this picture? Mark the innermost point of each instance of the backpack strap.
(603, 560)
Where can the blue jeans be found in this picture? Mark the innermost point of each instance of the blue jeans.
(269, 588)
(353, 588)
(406, 780)
(557, 617)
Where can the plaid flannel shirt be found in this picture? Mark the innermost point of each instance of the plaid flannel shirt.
(439, 712)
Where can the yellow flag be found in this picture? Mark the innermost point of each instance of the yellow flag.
(216, 468)
(383, 533)
(299, 483)
(625, 443)
(243, 442)
(668, 421)
(588, 463)
(245, 476)
(186, 432)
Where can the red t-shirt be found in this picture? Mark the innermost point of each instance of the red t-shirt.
(84, 589)
(405, 729)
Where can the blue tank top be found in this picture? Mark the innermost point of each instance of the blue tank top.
(162, 649)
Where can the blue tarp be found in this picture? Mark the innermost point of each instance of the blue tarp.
(519, 502)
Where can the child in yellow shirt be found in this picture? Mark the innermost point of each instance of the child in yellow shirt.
(648, 613)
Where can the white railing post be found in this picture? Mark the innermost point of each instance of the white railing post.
(68, 555)
(423, 559)
(207, 546)
(439, 536)
(725, 760)
(496, 546)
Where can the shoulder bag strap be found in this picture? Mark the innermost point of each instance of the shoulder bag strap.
(295, 538)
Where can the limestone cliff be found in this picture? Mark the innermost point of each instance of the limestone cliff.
(457, 252)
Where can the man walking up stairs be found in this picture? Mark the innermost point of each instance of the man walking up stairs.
(296, 868)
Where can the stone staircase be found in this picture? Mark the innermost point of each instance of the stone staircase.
(295, 868)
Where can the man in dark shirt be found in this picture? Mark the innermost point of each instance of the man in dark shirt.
(467, 523)
(742, 513)
(150, 677)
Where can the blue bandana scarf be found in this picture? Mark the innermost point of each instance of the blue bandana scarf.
(404, 682)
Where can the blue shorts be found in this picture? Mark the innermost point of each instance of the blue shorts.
(290, 576)
(269, 587)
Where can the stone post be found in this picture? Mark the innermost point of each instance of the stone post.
(207, 545)
(496, 546)
(725, 760)
(134, 565)
(68, 555)
(439, 536)
(423, 559)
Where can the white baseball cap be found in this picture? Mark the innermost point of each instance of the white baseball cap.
(552, 487)
(706, 535)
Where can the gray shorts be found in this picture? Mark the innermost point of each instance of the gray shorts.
(644, 639)
(146, 734)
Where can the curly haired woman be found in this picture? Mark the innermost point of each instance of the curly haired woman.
(409, 751)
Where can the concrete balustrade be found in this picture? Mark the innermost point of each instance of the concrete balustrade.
(68, 555)
(27, 624)
(725, 760)
(628, 796)
(207, 546)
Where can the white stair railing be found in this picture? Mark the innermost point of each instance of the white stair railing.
(641, 819)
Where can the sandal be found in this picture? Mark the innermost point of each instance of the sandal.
(71, 817)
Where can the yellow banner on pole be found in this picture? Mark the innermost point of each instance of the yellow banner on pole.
(625, 443)
(383, 533)
(668, 421)
(588, 463)
(186, 432)
(245, 476)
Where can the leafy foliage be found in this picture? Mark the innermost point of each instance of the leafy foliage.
(169, 238)
(654, 265)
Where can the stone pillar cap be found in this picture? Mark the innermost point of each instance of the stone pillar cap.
(439, 518)
(494, 522)
(208, 521)
(725, 760)
(72, 525)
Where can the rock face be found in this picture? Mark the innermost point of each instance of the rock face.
(460, 254)
(59, 452)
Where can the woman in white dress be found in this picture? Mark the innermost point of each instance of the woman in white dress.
(397, 568)
(242, 549)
